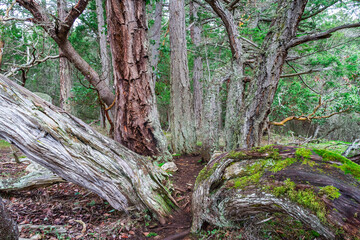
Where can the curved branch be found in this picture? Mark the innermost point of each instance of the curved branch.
(321, 35)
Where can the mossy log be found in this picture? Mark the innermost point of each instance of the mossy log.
(319, 188)
(8, 227)
(74, 151)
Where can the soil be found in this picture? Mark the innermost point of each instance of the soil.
(67, 211)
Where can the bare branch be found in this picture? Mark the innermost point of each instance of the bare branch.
(321, 35)
(319, 11)
(306, 72)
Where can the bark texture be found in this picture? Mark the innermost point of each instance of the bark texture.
(183, 137)
(237, 186)
(8, 227)
(137, 123)
(274, 47)
(74, 151)
(64, 67)
(234, 104)
(104, 55)
(198, 66)
(154, 37)
(2, 45)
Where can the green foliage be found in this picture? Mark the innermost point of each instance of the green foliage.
(151, 234)
(330, 191)
(4, 144)
(237, 155)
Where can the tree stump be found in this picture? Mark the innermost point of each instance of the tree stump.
(8, 228)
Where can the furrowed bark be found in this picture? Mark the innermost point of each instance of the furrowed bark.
(74, 151)
(8, 227)
(183, 137)
(227, 194)
(137, 123)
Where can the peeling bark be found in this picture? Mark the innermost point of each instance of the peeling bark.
(220, 200)
(137, 124)
(74, 151)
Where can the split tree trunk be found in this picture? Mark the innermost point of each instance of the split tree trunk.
(137, 124)
(198, 68)
(64, 68)
(74, 151)
(8, 227)
(183, 138)
(239, 187)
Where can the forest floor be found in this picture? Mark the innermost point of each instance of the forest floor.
(68, 211)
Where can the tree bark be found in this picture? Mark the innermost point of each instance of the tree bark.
(155, 36)
(8, 227)
(234, 103)
(137, 123)
(64, 68)
(239, 186)
(183, 138)
(198, 67)
(262, 91)
(2, 44)
(71, 149)
(104, 55)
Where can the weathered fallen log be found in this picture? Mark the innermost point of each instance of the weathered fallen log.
(37, 177)
(74, 151)
(8, 228)
(319, 188)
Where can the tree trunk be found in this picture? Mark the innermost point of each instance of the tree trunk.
(155, 36)
(137, 123)
(183, 138)
(262, 91)
(198, 67)
(239, 187)
(8, 227)
(64, 68)
(104, 56)
(74, 151)
(2, 44)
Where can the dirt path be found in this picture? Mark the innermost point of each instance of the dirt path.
(183, 181)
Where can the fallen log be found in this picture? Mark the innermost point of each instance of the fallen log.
(74, 151)
(319, 188)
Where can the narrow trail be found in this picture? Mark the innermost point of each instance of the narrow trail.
(183, 180)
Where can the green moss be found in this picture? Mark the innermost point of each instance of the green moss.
(236, 155)
(307, 197)
(348, 166)
(247, 180)
(198, 143)
(264, 149)
(330, 191)
(205, 173)
(280, 165)
(309, 162)
(303, 153)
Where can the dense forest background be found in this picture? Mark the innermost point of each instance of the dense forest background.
(328, 68)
